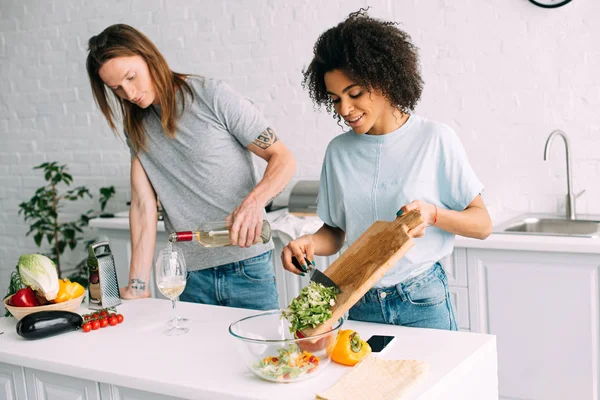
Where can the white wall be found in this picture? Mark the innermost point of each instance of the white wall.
(503, 73)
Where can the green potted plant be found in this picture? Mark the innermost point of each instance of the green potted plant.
(42, 213)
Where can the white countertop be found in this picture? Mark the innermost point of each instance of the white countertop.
(204, 363)
(559, 244)
(497, 241)
(529, 242)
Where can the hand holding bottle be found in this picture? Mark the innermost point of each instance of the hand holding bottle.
(246, 223)
(216, 234)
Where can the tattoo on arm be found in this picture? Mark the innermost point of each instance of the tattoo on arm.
(137, 284)
(265, 139)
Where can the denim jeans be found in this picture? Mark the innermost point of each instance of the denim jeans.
(244, 284)
(422, 301)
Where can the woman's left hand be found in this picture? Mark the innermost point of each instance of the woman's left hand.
(427, 213)
(246, 223)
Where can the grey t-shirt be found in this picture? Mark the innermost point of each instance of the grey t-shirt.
(206, 171)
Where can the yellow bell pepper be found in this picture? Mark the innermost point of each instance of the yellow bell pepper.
(349, 348)
(68, 290)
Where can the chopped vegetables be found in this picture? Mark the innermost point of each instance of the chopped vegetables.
(311, 308)
(289, 364)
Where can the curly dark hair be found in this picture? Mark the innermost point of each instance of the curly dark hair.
(373, 53)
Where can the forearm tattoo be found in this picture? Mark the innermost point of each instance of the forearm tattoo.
(266, 139)
(137, 284)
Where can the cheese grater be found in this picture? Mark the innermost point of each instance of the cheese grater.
(104, 288)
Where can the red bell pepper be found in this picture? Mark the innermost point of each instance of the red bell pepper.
(24, 298)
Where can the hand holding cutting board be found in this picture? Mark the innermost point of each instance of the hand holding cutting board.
(429, 213)
(366, 261)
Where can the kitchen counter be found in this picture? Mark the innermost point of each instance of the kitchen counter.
(203, 364)
(498, 241)
(528, 242)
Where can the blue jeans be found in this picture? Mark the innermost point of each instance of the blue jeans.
(422, 301)
(244, 284)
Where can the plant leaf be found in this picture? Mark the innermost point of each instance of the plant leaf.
(38, 238)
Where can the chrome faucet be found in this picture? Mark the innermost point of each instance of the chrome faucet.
(570, 200)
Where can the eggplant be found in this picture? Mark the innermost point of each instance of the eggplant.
(43, 324)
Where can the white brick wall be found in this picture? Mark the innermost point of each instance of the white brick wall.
(504, 74)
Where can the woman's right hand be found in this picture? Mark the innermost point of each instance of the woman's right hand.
(127, 293)
(299, 248)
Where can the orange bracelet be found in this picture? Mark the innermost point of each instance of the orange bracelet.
(435, 216)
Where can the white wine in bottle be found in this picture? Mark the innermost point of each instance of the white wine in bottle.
(216, 234)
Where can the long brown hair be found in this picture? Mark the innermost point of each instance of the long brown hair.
(122, 40)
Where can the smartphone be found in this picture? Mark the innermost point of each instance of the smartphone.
(379, 342)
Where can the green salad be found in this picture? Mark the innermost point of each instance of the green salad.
(289, 364)
(311, 308)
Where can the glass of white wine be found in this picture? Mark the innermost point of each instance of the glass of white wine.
(180, 319)
(171, 275)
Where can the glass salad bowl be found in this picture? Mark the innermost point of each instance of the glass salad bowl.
(271, 352)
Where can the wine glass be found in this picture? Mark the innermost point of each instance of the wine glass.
(171, 274)
(180, 319)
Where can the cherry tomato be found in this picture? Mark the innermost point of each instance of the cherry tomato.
(95, 325)
(112, 320)
(95, 316)
(103, 323)
(103, 313)
(119, 318)
(86, 327)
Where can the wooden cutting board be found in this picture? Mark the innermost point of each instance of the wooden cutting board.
(364, 263)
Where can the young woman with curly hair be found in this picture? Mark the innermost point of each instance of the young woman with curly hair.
(366, 72)
(191, 140)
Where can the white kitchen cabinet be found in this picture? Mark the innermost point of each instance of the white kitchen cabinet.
(114, 392)
(12, 382)
(460, 300)
(455, 266)
(42, 385)
(49, 386)
(543, 308)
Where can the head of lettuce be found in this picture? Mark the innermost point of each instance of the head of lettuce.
(39, 273)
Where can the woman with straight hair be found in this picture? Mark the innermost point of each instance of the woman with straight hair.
(191, 140)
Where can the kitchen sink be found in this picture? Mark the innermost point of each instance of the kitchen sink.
(550, 226)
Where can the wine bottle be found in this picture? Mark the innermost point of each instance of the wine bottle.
(216, 234)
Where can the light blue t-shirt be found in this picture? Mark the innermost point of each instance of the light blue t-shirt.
(366, 178)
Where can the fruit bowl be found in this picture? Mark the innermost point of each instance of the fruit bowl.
(20, 312)
(271, 352)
